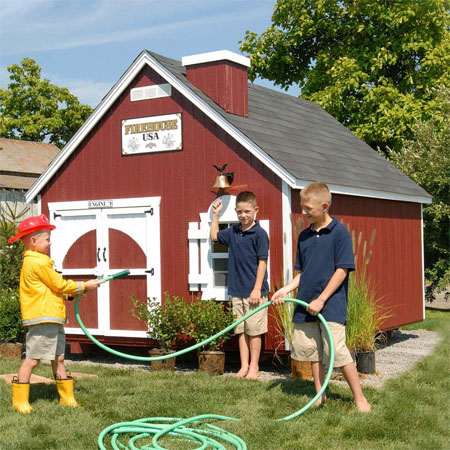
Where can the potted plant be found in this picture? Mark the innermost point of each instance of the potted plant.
(285, 327)
(206, 318)
(365, 314)
(165, 323)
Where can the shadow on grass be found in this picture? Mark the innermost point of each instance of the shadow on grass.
(302, 388)
(43, 391)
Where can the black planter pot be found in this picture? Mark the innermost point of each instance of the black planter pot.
(365, 362)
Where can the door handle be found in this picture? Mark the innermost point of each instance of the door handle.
(98, 254)
(104, 252)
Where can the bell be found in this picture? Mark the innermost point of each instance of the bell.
(221, 182)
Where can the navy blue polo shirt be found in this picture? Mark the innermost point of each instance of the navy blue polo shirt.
(246, 248)
(319, 254)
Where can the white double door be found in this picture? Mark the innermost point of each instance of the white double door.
(98, 238)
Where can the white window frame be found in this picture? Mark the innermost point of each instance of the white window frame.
(201, 273)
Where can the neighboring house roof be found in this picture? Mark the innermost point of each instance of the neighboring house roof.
(295, 138)
(22, 162)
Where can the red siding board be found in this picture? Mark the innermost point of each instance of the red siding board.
(224, 82)
(396, 263)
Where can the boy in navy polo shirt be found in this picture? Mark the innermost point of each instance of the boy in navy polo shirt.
(324, 258)
(248, 247)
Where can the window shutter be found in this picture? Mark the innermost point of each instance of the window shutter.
(198, 236)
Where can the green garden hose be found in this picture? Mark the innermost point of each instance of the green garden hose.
(159, 427)
(116, 275)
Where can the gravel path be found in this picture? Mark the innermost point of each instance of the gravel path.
(400, 354)
(403, 351)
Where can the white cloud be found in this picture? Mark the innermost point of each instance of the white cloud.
(48, 25)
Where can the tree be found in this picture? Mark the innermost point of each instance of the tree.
(32, 109)
(371, 64)
(426, 159)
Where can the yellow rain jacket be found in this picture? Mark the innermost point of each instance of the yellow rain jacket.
(42, 290)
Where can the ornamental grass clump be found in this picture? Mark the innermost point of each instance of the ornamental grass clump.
(365, 314)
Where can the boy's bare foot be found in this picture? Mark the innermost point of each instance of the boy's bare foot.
(253, 374)
(363, 406)
(242, 373)
(320, 401)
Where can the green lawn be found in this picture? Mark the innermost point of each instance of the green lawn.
(411, 412)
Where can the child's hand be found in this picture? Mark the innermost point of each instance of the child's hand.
(92, 284)
(315, 306)
(217, 206)
(277, 298)
(255, 297)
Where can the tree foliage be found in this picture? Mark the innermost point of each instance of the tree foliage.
(32, 109)
(370, 63)
(426, 159)
(11, 255)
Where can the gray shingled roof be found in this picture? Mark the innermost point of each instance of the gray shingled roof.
(307, 141)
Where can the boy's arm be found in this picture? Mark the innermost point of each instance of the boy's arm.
(277, 298)
(335, 281)
(255, 295)
(216, 208)
(57, 283)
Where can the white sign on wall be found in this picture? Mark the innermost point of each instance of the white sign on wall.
(152, 134)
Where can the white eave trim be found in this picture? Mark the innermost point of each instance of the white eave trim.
(145, 58)
(358, 192)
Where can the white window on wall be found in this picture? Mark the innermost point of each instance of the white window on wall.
(219, 258)
(208, 261)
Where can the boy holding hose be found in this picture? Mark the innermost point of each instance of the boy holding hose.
(324, 258)
(42, 295)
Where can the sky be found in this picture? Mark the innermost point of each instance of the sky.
(86, 45)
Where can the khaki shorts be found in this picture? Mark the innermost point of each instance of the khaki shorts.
(310, 343)
(45, 341)
(254, 325)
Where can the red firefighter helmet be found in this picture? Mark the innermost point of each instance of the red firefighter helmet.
(30, 225)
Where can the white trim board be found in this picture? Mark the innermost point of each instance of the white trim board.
(221, 55)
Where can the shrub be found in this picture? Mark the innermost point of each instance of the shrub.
(165, 322)
(206, 318)
(11, 328)
(11, 255)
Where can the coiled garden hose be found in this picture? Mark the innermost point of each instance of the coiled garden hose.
(159, 427)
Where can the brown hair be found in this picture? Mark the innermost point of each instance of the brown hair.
(318, 191)
(246, 196)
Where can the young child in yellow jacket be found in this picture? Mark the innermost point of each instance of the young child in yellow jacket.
(42, 295)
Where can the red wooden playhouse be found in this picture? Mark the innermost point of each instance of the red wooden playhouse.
(133, 190)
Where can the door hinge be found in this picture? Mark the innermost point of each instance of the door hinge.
(151, 271)
(56, 215)
(150, 211)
